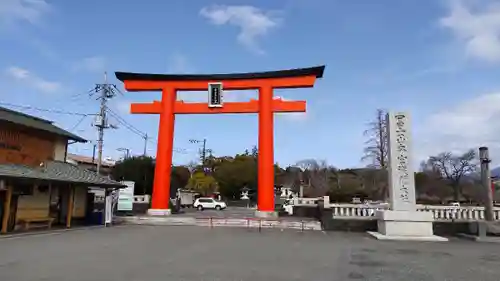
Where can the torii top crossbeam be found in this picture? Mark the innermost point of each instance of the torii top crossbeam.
(293, 78)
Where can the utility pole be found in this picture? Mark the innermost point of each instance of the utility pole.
(126, 152)
(102, 122)
(145, 144)
(93, 154)
(203, 150)
(486, 182)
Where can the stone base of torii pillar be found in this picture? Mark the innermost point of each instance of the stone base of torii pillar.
(402, 221)
(159, 212)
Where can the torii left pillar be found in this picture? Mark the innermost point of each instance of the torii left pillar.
(164, 154)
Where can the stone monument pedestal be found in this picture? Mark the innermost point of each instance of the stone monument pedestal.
(159, 212)
(405, 225)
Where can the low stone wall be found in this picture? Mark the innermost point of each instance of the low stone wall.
(446, 228)
(239, 203)
(140, 208)
(307, 212)
(451, 228)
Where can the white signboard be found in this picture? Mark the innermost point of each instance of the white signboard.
(108, 210)
(401, 174)
(126, 196)
(215, 94)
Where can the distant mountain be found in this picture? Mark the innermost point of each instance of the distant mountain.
(495, 172)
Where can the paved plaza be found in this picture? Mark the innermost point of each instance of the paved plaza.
(226, 254)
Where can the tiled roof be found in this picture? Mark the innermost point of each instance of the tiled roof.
(88, 160)
(57, 171)
(35, 123)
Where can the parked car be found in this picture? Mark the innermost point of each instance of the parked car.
(209, 203)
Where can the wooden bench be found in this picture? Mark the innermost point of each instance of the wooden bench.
(27, 221)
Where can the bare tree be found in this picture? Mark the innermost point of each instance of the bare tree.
(318, 176)
(377, 144)
(376, 151)
(192, 165)
(453, 168)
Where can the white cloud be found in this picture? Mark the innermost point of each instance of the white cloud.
(476, 25)
(122, 105)
(252, 22)
(32, 80)
(31, 11)
(90, 64)
(179, 64)
(467, 125)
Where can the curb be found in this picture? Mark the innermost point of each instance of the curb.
(208, 222)
(44, 232)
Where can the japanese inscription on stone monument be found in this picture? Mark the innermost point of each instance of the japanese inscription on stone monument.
(401, 175)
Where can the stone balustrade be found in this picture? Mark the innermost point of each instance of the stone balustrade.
(367, 212)
(298, 201)
(441, 213)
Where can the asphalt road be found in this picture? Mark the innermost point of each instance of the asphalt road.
(229, 212)
(227, 254)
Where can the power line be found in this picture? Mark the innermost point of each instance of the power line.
(138, 132)
(27, 107)
(125, 123)
(78, 123)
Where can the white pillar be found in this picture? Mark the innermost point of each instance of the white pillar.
(402, 221)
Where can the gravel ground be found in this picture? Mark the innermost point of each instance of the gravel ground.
(198, 253)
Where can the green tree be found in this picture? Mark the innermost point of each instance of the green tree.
(202, 183)
(182, 175)
(235, 173)
(139, 169)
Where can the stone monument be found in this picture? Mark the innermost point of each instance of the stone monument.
(402, 221)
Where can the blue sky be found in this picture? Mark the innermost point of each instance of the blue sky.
(436, 59)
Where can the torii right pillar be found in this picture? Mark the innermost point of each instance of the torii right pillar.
(265, 200)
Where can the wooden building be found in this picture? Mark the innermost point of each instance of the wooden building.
(37, 185)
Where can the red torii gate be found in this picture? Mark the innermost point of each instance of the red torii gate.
(265, 106)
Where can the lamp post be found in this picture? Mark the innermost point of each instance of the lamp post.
(486, 182)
